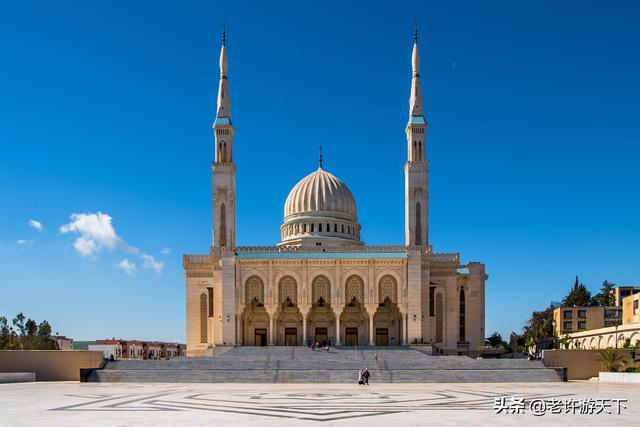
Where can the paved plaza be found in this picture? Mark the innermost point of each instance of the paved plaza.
(119, 404)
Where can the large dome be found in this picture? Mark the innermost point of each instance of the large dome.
(320, 211)
(321, 191)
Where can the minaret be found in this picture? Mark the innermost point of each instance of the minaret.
(416, 168)
(223, 169)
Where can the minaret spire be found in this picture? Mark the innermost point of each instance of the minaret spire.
(224, 104)
(415, 101)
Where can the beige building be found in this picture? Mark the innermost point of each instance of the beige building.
(321, 282)
(572, 319)
(622, 292)
(630, 311)
(613, 333)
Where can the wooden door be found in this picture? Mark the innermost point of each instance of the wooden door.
(290, 336)
(382, 336)
(351, 336)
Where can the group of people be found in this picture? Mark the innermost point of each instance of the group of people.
(315, 346)
(363, 376)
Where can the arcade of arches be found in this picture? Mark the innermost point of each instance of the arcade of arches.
(327, 319)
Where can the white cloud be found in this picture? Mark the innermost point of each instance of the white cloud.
(150, 263)
(24, 242)
(36, 224)
(165, 251)
(127, 266)
(95, 231)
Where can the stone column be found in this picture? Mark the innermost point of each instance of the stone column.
(371, 342)
(305, 313)
(271, 331)
(405, 319)
(338, 313)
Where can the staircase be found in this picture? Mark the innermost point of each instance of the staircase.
(340, 365)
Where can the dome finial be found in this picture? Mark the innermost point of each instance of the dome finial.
(320, 156)
(224, 33)
(415, 31)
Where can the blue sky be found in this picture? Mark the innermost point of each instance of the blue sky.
(107, 107)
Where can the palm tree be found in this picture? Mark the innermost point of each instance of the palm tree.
(611, 359)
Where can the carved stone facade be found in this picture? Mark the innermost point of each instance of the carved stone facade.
(321, 283)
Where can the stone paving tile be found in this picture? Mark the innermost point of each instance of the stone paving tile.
(136, 404)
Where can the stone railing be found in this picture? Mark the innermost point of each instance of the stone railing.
(280, 249)
(195, 259)
(445, 257)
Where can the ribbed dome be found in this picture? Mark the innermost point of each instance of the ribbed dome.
(321, 191)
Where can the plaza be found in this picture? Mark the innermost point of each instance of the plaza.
(108, 404)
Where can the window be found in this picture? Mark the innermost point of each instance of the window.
(462, 316)
(320, 227)
(568, 314)
(582, 314)
(223, 226)
(311, 228)
(304, 228)
(418, 225)
(328, 227)
(567, 325)
(335, 228)
(342, 228)
(635, 307)
(582, 324)
(210, 301)
(432, 291)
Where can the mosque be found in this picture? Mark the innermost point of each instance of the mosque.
(321, 283)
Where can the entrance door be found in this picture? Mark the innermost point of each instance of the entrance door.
(321, 336)
(290, 336)
(260, 339)
(351, 336)
(382, 336)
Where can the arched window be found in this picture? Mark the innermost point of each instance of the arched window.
(320, 227)
(462, 316)
(311, 228)
(354, 290)
(304, 228)
(343, 228)
(387, 289)
(254, 290)
(203, 317)
(418, 224)
(328, 227)
(348, 229)
(335, 228)
(223, 225)
(419, 150)
(288, 290)
(321, 290)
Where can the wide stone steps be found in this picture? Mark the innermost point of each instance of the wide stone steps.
(340, 365)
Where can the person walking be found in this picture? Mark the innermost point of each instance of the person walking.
(365, 376)
(360, 377)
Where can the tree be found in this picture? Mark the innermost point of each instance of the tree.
(540, 324)
(606, 295)
(495, 339)
(578, 296)
(18, 323)
(612, 360)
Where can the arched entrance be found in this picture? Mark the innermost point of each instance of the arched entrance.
(387, 320)
(354, 320)
(320, 321)
(255, 318)
(289, 318)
